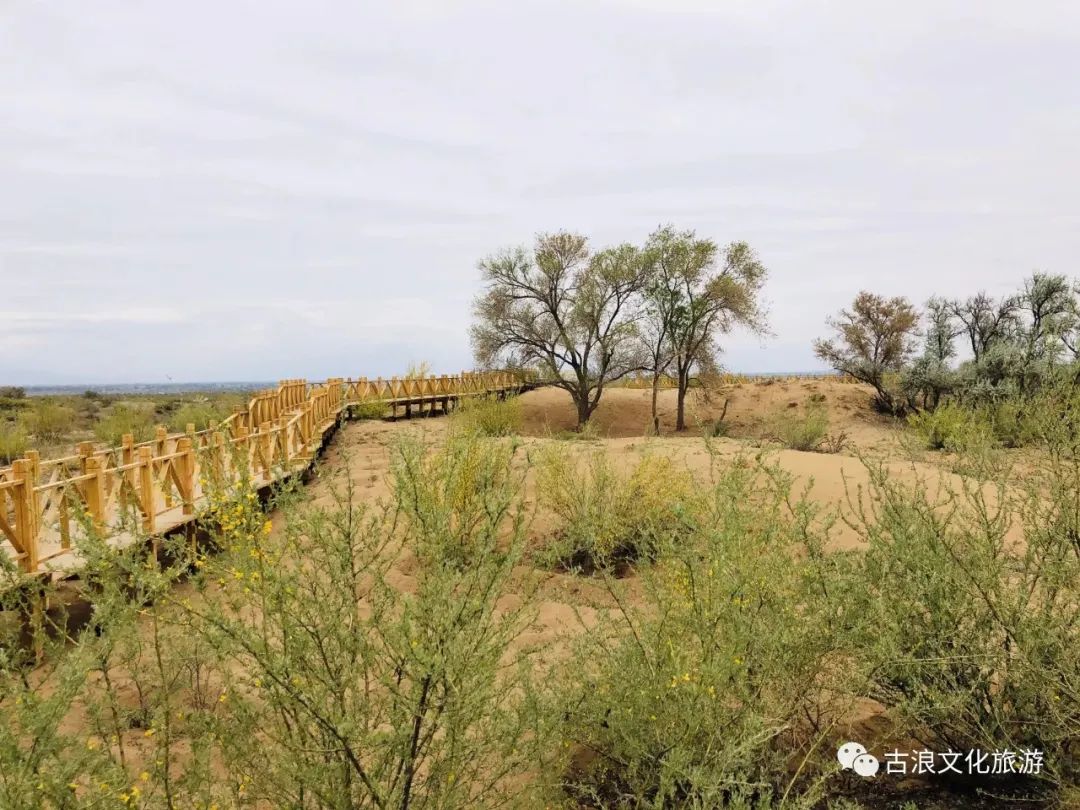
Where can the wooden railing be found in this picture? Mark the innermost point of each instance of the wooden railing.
(147, 489)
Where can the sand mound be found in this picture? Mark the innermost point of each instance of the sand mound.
(626, 412)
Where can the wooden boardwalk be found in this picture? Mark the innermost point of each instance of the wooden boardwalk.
(145, 490)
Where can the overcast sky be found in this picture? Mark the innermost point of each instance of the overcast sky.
(220, 190)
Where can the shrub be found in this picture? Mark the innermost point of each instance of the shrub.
(968, 604)
(122, 419)
(368, 410)
(48, 421)
(490, 417)
(13, 442)
(802, 431)
(200, 414)
(954, 427)
(607, 518)
(457, 497)
(12, 392)
(357, 694)
(696, 697)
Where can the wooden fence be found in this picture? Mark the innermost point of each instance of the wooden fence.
(150, 488)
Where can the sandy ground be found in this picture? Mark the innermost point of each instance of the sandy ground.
(361, 453)
(835, 482)
(626, 412)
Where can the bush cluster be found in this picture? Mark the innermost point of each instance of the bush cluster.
(351, 655)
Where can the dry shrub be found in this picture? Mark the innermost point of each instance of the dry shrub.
(606, 517)
(48, 421)
(801, 431)
(489, 417)
(693, 695)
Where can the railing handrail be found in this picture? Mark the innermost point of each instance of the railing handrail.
(274, 434)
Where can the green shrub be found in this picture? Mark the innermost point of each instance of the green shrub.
(414, 698)
(368, 410)
(456, 497)
(606, 518)
(12, 392)
(122, 419)
(696, 696)
(48, 421)
(967, 604)
(200, 414)
(801, 431)
(13, 442)
(954, 427)
(490, 417)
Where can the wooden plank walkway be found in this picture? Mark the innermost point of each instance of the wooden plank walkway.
(144, 490)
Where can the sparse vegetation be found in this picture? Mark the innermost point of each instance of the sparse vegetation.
(802, 429)
(489, 417)
(605, 518)
(122, 419)
(49, 421)
(13, 442)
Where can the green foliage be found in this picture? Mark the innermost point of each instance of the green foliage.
(966, 609)
(805, 430)
(136, 419)
(606, 518)
(946, 428)
(490, 417)
(202, 413)
(368, 410)
(13, 442)
(357, 694)
(12, 392)
(697, 695)
(48, 421)
(457, 497)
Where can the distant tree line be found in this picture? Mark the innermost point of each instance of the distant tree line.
(587, 318)
(1013, 346)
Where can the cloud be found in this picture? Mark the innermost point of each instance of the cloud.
(273, 189)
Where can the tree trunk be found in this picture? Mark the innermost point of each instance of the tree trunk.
(583, 411)
(680, 414)
(655, 394)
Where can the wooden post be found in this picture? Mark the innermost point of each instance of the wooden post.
(34, 457)
(94, 492)
(266, 450)
(283, 434)
(146, 488)
(161, 448)
(24, 520)
(127, 457)
(186, 473)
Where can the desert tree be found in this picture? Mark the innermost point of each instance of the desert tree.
(1048, 304)
(873, 339)
(697, 292)
(567, 310)
(986, 322)
(931, 375)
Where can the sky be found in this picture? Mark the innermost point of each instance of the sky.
(256, 190)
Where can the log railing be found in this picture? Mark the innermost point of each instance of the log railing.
(146, 489)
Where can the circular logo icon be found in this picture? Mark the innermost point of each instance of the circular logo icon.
(866, 765)
(847, 752)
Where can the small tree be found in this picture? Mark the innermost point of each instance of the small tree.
(930, 376)
(984, 321)
(874, 338)
(568, 311)
(696, 292)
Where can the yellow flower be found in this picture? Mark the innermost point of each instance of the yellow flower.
(144, 777)
(267, 527)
